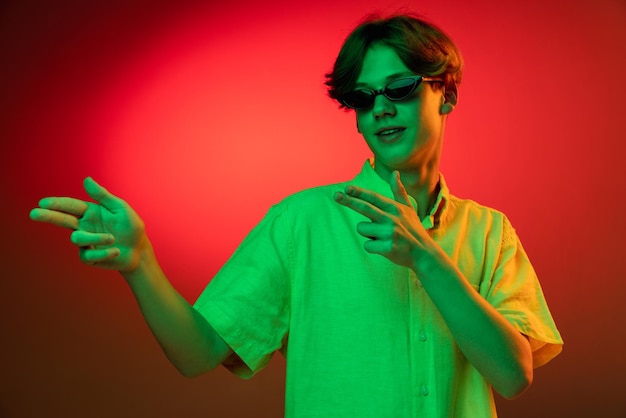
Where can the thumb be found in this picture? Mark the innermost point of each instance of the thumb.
(399, 192)
(102, 195)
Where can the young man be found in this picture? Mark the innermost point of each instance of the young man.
(388, 296)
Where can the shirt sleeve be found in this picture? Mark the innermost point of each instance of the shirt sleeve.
(516, 293)
(247, 302)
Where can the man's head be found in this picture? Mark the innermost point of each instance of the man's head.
(400, 75)
(424, 49)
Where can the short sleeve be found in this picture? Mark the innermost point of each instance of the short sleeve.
(247, 302)
(516, 293)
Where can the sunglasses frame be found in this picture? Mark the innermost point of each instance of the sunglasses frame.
(417, 79)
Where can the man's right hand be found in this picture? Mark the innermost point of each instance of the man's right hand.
(108, 233)
(111, 235)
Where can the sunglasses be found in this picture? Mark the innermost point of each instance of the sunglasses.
(398, 89)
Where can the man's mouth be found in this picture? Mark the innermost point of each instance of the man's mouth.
(388, 131)
(390, 135)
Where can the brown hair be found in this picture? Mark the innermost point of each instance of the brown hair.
(423, 47)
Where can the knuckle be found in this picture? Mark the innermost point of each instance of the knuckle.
(87, 254)
(41, 215)
(67, 221)
(50, 203)
(83, 255)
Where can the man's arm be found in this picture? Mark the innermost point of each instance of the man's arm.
(187, 339)
(111, 235)
(497, 350)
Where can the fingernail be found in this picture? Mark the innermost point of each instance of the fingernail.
(338, 196)
(349, 189)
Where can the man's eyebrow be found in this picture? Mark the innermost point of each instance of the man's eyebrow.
(389, 78)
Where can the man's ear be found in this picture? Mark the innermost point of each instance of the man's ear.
(449, 101)
(446, 108)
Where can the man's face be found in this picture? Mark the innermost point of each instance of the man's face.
(406, 134)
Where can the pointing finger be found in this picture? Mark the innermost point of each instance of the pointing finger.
(358, 205)
(371, 197)
(53, 217)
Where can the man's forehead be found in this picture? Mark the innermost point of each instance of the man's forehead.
(384, 81)
(380, 65)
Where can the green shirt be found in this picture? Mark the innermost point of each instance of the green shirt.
(360, 335)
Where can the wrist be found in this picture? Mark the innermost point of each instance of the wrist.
(427, 262)
(142, 262)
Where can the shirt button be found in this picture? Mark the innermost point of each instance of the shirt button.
(424, 390)
(423, 337)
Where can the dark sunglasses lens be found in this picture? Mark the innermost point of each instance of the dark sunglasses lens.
(400, 89)
(358, 99)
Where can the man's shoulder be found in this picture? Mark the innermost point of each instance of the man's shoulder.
(473, 209)
(311, 199)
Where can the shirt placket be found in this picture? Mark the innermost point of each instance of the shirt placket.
(420, 347)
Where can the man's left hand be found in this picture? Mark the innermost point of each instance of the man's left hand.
(395, 230)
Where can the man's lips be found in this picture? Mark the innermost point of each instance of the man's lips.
(390, 134)
(389, 130)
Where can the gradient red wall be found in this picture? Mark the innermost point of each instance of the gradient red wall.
(203, 115)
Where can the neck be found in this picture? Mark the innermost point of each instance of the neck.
(421, 183)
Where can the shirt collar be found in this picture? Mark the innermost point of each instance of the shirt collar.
(369, 179)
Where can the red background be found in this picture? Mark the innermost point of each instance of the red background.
(203, 115)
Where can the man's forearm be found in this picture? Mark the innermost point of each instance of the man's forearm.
(497, 350)
(187, 339)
